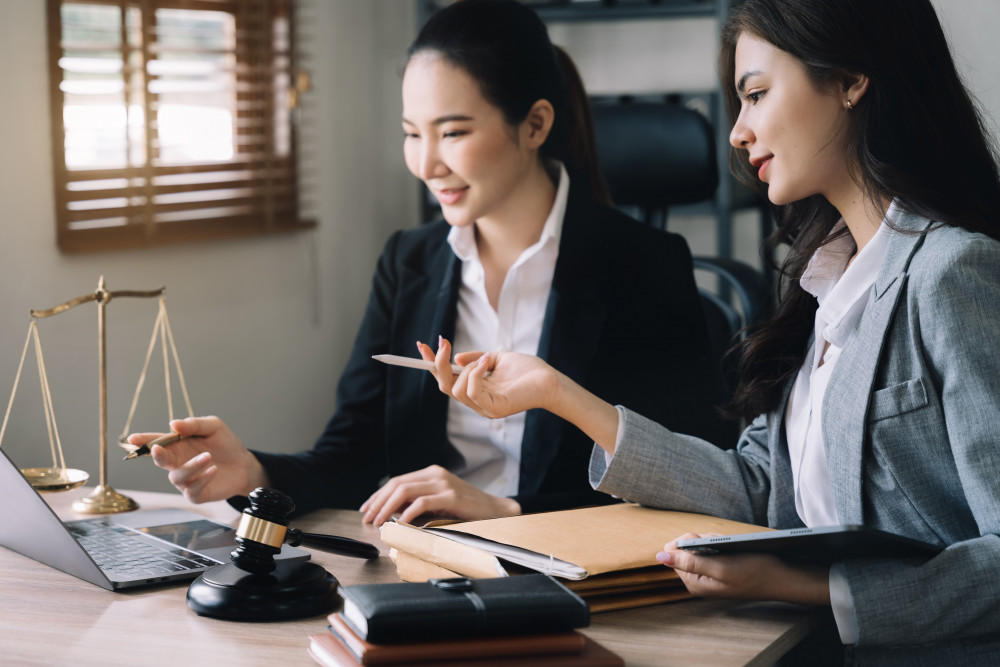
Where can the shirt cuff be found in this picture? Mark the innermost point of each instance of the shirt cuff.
(842, 604)
(618, 435)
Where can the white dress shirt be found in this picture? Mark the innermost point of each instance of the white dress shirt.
(843, 293)
(491, 448)
(842, 296)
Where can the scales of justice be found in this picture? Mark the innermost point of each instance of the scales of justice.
(104, 499)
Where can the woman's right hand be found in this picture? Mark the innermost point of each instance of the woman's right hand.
(496, 384)
(209, 463)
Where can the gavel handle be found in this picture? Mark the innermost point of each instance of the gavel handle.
(335, 543)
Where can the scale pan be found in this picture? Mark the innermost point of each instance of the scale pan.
(55, 479)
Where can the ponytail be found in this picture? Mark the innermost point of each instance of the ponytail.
(581, 146)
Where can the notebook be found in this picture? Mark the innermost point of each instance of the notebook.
(119, 551)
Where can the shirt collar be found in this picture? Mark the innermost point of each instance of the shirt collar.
(843, 294)
(463, 239)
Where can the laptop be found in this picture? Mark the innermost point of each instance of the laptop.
(119, 551)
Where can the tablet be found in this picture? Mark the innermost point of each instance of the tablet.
(819, 545)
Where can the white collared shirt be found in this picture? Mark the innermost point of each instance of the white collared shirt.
(843, 296)
(491, 448)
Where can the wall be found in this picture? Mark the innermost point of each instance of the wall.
(971, 26)
(263, 326)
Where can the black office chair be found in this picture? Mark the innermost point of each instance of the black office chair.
(749, 286)
(655, 155)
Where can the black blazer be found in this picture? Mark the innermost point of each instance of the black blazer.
(623, 319)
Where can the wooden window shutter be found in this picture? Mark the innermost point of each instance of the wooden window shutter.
(172, 121)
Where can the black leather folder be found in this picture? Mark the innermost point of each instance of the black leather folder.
(461, 607)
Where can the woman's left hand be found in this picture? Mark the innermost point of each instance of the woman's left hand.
(747, 576)
(434, 491)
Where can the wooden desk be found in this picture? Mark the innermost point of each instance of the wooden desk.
(50, 618)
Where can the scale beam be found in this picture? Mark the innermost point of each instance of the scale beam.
(104, 499)
(101, 296)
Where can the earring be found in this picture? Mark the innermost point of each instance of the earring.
(848, 104)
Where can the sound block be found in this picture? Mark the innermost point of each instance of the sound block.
(292, 590)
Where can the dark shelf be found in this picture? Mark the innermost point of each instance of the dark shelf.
(597, 10)
(565, 11)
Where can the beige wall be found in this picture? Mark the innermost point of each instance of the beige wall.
(264, 326)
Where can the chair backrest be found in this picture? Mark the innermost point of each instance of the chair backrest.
(725, 322)
(747, 283)
(655, 155)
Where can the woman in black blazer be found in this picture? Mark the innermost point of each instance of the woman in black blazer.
(491, 130)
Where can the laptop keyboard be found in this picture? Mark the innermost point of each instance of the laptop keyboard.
(124, 553)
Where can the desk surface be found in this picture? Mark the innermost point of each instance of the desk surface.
(48, 617)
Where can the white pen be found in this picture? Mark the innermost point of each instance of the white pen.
(410, 362)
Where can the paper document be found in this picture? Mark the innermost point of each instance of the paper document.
(546, 564)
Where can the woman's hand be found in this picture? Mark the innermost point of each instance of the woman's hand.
(209, 463)
(441, 359)
(747, 576)
(434, 491)
(497, 384)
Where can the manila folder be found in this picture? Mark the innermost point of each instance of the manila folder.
(589, 540)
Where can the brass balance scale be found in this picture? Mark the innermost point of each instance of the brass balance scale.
(57, 477)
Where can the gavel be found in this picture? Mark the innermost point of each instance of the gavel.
(264, 528)
(255, 587)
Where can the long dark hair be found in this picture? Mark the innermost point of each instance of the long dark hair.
(916, 135)
(505, 48)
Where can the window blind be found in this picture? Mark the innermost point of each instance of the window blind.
(173, 120)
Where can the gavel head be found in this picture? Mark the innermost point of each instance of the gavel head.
(262, 530)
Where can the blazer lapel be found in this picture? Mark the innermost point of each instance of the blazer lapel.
(430, 297)
(446, 298)
(781, 510)
(574, 317)
(845, 404)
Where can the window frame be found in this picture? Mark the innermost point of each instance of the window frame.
(269, 180)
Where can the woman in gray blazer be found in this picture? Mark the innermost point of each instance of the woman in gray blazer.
(874, 388)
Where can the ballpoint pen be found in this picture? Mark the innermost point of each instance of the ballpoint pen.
(163, 440)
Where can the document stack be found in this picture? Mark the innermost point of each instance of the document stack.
(606, 554)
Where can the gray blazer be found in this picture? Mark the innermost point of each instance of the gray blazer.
(912, 432)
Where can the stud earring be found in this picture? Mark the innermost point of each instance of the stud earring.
(849, 105)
